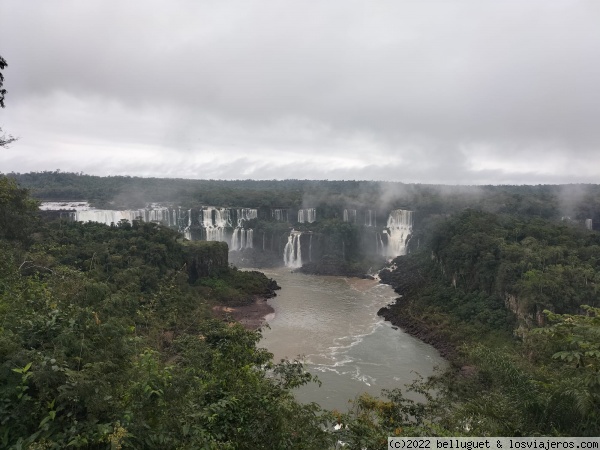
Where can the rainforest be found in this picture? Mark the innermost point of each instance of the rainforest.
(115, 293)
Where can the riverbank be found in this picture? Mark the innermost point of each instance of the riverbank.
(398, 314)
(252, 316)
(406, 278)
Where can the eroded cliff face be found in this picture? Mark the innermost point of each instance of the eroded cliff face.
(206, 258)
(526, 317)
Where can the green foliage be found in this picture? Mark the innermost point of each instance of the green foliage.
(486, 274)
(236, 288)
(18, 212)
(104, 343)
(107, 341)
(540, 263)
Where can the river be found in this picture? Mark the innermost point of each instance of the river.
(332, 323)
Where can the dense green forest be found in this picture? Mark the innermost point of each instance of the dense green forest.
(108, 338)
(579, 202)
(514, 303)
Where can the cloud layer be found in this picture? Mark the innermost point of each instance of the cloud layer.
(456, 91)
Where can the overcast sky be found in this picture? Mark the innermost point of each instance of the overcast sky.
(467, 92)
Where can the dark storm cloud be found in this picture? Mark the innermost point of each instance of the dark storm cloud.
(431, 91)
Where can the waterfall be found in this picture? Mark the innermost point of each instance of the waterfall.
(310, 248)
(152, 213)
(222, 217)
(280, 215)
(249, 238)
(399, 228)
(588, 224)
(244, 214)
(292, 253)
(307, 215)
(214, 221)
(108, 216)
(187, 230)
(241, 239)
(207, 220)
(234, 240)
(350, 215)
(379, 245)
(370, 218)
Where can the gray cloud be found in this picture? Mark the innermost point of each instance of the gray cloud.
(454, 92)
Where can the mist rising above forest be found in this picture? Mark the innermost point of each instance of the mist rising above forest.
(576, 201)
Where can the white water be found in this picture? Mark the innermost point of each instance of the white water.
(399, 228)
(379, 245)
(216, 222)
(57, 206)
(241, 239)
(292, 252)
(370, 218)
(307, 215)
(333, 323)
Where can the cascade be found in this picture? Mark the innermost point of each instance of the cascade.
(214, 221)
(152, 213)
(292, 253)
(370, 218)
(310, 248)
(222, 217)
(158, 214)
(399, 228)
(108, 216)
(350, 215)
(379, 246)
(187, 230)
(249, 238)
(207, 220)
(71, 206)
(307, 215)
(241, 239)
(280, 215)
(235, 239)
(244, 214)
(588, 224)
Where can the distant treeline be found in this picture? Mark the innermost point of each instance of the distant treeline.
(575, 201)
